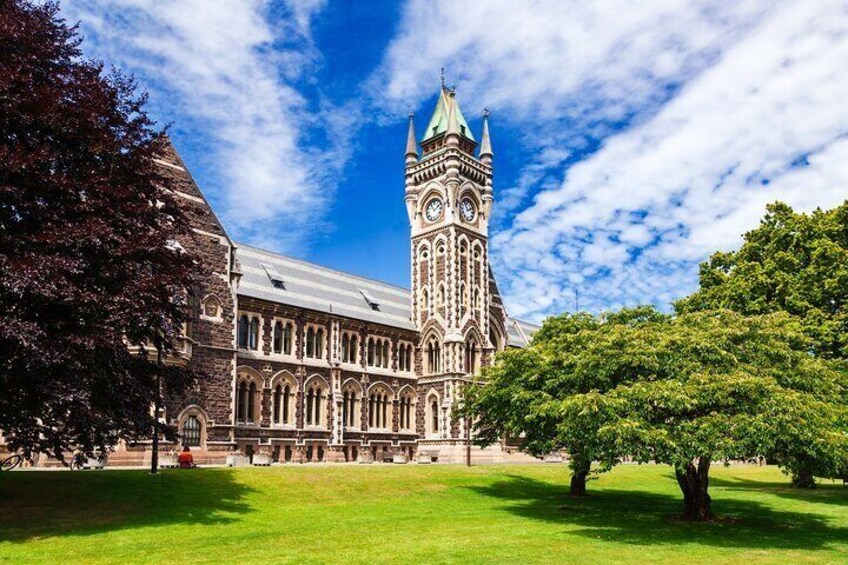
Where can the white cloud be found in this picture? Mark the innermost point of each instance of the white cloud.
(230, 68)
(700, 111)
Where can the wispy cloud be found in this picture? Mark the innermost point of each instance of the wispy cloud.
(234, 70)
(661, 130)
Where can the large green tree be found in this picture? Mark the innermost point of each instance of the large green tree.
(686, 391)
(90, 274)
(792, 262)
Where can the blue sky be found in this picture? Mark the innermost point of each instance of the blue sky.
(631, 139)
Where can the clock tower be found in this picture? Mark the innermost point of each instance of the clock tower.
(449, 200)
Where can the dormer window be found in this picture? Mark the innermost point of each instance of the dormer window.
(274, 275)
(372, 302)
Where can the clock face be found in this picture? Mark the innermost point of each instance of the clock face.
(434, 210)
(467, 210)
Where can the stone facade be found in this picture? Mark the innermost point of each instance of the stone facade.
(345, 375)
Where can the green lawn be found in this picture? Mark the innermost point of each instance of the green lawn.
(412, 514)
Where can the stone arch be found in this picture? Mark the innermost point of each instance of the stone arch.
(187, 436)
(316, 391)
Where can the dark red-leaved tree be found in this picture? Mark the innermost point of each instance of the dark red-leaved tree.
(90, 274)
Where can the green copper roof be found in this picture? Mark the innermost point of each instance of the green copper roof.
(439, 122)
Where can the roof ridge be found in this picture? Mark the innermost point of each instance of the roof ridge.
(316, 265)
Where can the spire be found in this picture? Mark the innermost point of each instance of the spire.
(485, 142)
(411, 147)
(453, 125)
(445, 106)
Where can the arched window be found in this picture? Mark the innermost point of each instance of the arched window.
(386, 356)
(278, 337)
(378, 359)
(379, 413)
(251, 402)
(433, 416)
(315, 405)
(463, 301)
(345, 348)
(406, 420)
(434, 357)
(371, 351)
(287, 338)
(310, 342)
(243, 330)
(425, 300)
(319, 344)
(401, 357)
(278, 404)
(246, 401)
(409, 353)
(254, 333)
(440, 295)
(350, 407)
(470, 356)
(191, 431)
(287, 400)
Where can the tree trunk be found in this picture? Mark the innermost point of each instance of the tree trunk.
(803, 478)
(579, 472)
(694, 481)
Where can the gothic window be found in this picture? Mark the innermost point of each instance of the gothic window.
(310, 342)
(191, 431)
(350, 407)
(247, 403)
(476, 299)
(371, 351)
(425, 300)
(379, 412)
(319, 344)
(315, 399)
(433, 416)
(282, 404)
(405, 418)
(243, 330)
(440, 295)
(409, 353)
(278, 337)
(378, 358)
(401, 357)
(345, 348)
(463, 303)
(386, 355)
(434, 357)
(470, 356)
(253, 334)
(287, 338)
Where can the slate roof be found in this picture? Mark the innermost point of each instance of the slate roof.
(277, 278)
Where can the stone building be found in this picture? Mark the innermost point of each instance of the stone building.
(311, 364)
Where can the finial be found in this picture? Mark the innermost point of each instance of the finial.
(486, 113)
(443, 77)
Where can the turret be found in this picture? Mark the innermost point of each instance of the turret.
(486, 143)
(411, 147)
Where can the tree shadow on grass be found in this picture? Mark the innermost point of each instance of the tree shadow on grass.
(52, 503)
(830, 492)
(647, 518)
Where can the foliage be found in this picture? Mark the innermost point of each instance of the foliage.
(89, 268)
(684, 391)
(792, 262)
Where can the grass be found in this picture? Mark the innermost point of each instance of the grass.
(412, 514)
